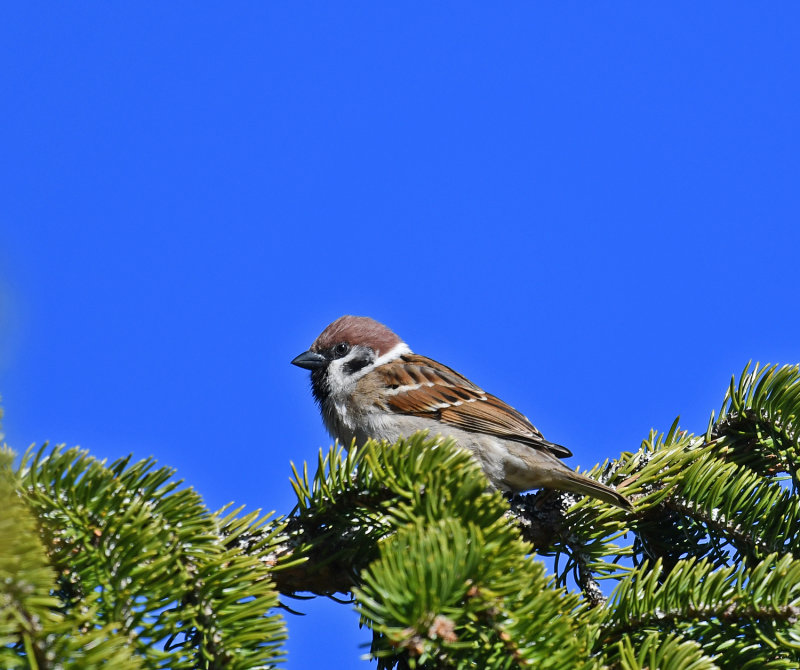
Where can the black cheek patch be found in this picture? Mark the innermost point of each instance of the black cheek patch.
(354, 365)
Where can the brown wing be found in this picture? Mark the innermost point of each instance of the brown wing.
(423, 387)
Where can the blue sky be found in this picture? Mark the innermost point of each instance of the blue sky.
(589, 209)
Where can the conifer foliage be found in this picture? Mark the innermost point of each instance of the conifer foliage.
(120, 566)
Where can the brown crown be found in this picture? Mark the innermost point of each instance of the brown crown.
(357, 330)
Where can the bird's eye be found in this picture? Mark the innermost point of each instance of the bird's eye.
(341, 349)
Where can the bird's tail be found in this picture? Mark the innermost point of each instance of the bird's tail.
(567, 480)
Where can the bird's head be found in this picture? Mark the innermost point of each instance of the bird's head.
(345, 351)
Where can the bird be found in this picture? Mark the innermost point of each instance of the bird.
(369, 384)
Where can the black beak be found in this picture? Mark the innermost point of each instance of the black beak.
(310, 361)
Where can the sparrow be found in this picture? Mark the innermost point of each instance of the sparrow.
(369, 384)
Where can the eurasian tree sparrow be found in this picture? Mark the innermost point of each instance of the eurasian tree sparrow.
(367, 383)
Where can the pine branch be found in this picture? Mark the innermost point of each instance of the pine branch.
(143, 560)
(542, 522)
(759, 417)
(141, 574)
(659, 650)
(711, 606)
(729, 614)
(719, 525)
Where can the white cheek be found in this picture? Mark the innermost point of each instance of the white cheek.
(342, 418)
(341, 384)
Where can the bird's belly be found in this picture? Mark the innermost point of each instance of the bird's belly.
(502, 462)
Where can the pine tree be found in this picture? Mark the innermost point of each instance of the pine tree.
(120, 566)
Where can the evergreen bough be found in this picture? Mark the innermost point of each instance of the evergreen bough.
(120, 566)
